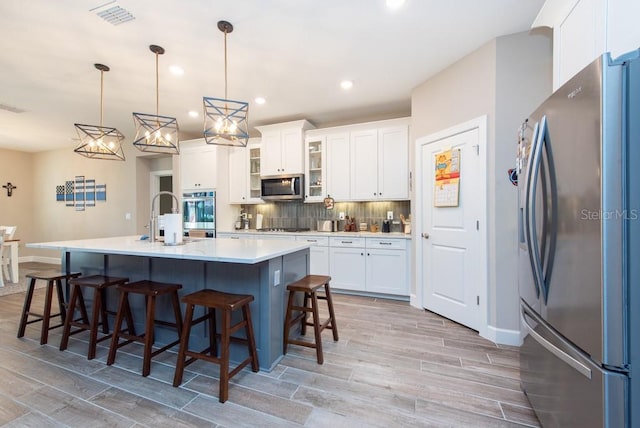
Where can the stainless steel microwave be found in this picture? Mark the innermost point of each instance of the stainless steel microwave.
(282, 187)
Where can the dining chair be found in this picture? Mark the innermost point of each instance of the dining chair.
(5, 260)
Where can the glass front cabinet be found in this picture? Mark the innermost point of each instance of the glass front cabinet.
(315, 177)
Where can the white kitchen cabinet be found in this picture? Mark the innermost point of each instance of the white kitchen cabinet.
(387, 268)
(315, 172)
(364, 165)
(369, 162)
(244, 173)
(282, 147)
(198, 165)
(585, 29)
(347, 268)
(393, 163)
(338, 166)
(319, 254)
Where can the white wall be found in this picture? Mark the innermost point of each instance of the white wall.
(505, 79)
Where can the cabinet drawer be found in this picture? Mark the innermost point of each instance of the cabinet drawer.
(389, 244)
(347, 241)
(319, 241)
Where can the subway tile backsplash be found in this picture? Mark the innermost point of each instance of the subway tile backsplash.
(301, 215)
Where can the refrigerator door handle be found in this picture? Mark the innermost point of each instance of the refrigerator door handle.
(568, 359)
(530, 211)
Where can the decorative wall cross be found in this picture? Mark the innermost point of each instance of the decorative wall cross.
(9, 188)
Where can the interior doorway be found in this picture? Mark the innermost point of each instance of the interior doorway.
(451, 230)
(163, 181)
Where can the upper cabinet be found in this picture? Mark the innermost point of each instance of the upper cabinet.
(244, 173)
(315, 172)
(585, 29)
(282, 147)
(198, 162)
(368, 162)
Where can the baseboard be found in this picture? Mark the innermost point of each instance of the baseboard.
(40, 259)
(502, 336)
(413, 301)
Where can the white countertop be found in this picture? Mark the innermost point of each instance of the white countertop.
(316, 233)
(247, 251)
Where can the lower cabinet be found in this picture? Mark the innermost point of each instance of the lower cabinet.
(355, 263)
(369, 264)
(347, 267)
(319, 254)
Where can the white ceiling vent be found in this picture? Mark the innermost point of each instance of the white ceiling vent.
(12, 109)
(113, 13)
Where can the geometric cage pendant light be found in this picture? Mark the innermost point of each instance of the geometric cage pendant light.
(99, 142)
(155, 133)
(225, 120)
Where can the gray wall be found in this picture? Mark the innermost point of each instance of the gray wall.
(505, 79)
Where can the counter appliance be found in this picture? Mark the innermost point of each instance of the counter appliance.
(579, 249)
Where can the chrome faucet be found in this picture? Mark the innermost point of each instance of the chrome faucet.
(153, 223)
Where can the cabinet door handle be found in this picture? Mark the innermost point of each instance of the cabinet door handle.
(425, 235)
(312, 240)
(235, 237)
(385, 243)
(368, 254)
(347, 242)
(362, 254)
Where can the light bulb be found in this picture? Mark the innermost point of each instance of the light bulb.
(147, 135)
(168, 137)
(233, 127)
(111, 145)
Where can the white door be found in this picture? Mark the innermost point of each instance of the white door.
(451, 239)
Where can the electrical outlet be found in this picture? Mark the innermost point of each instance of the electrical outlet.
(341, 216)
(389, 215)
(276, 278)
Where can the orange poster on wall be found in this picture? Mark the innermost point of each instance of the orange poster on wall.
(447, 179)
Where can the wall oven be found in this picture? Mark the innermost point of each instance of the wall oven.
(199, 213)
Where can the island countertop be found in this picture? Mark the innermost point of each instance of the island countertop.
(205, 249)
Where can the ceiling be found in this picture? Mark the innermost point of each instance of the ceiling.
(292, 52)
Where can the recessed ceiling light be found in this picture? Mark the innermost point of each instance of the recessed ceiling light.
(177, 70)
(260, 100)
(346, 84)
(193, 113)
(395, 4)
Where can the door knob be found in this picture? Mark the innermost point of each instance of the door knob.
(425, 235)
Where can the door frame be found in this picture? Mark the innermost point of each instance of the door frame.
(479, 123)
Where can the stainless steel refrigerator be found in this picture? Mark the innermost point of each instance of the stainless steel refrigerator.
(578, 168)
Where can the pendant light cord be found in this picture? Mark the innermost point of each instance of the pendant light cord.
(157, 86)
(101, 94)
(225, 65)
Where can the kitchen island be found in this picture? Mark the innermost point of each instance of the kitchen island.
(261, 268)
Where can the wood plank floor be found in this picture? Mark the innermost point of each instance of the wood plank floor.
(394, 366)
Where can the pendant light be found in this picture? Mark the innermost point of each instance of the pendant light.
(225, 120)
(155, 133)
(100, 142)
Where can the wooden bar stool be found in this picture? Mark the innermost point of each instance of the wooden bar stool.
(226, 303)
(309, 285)
(99, 313)
(53, 278)
(150, 290)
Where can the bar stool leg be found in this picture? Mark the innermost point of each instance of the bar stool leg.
(124, 303)
(184, 344)
(26, 307)
(61, 303)
(103, 310)
(305, 304)
(224, 356)
(67, 324)
(96, 313)
(213, 335)
(332, 315)
(148, 335)
(251, 338)
(44, 335)
(287, 321)
(316, 328)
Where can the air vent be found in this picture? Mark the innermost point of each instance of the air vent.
(12, 109)
(113, 13)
